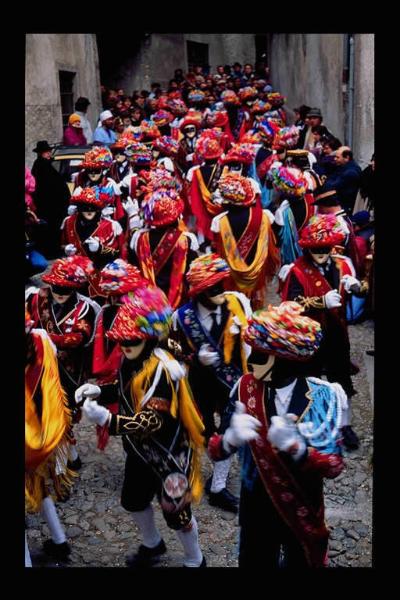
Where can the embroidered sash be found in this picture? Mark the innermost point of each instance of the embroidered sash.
(285, 492)
(251, 232)
(201, 204)
(196, 336)
(105, 365)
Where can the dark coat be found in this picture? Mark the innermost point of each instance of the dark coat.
(346, 181)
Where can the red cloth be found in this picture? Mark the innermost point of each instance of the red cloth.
(73, 136)
(30, 186)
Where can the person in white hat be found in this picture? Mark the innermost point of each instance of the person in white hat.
(104, 134)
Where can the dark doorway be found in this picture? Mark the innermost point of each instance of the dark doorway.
(66, 94)
(197, 54)
(115, 50)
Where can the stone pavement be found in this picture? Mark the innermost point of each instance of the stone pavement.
(101, 532)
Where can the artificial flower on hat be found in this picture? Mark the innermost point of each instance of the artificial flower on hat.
(246, 93)
(276, 99)
(124, 141)
(236, 189)
(96, 197)
(98, 157)
(72, 271)
(177, 107)
(167, 145)
(250, 137)
(162, 102)
(208, 145)
(283, 331)
(290, 181)
(162, 117)
(120, 277)
(145, 314)
(192, 117)
(322, 230)
(138, 153)
(241, 153)
(267, 130)
(205, 271)
(229, 97)
(286, 137)
(217, 118)
(260, 107)
(149, 129)
(196, 96)
(162, 178)
(162, 207)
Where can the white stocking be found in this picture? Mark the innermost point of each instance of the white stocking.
(72, 453)
(28, 562)
(49, 514)
(220, 475)
(144, 519)
(190, 542)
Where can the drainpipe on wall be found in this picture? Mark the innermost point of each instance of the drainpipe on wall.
(349, 135)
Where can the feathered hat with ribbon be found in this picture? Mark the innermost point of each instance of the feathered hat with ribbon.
(236, 190)
(98, 157)
(289, 181)
(166, 145)
(259, 107)
(72, 272)
(193, 117)
(162, 117)
(208, 145)
(145, 314)
(162, 178)
(177, 107)
(149, 129)
(124, 141)
(138, 153)
(322, 230)
(267, 130)
(283, 331)
(217, 118)
(96, 197)
(250, 137)
(276, 99)
(119, 277)
(247, 93)
(195, 96)
(162, 207)
(205, 271)
(286, 137)
(230, 98)
(240, 153)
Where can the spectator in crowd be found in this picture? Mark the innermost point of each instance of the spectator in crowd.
(104, 135)
(346, 179)
(326, 163)
(319, 132)
(248, 74)
(73, 134)
(81, 106)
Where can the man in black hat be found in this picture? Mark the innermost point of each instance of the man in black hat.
(313, 117)
(51, 198)
(81, 106)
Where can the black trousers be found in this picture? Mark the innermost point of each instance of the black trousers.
(263, 532)
(140, 486)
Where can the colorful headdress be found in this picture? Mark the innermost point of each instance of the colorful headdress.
(276, 99)
(139, 154)
(162, 102)
(161, 178)
(205, 271)
(218, 118)
(283, 331)
(289, 181)
(236, 189)
(267, 130)
(259, 107)
(167, 145)
(196, 96)
(241, 153)
(193, 117)
(149, 129)
(144, 315)
(162, 207)
(119, 277)
(322, 230)
(208, 146)
(95, 197)
(229, 97)
(124, 141)
(286, 137)
(250, 137)
(177, 107)
(246, 93)
(72, 272)
(162, 117)
(98, 157)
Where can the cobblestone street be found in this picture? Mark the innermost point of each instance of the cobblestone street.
(101, 532)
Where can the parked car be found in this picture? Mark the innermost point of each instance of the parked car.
(67, 161)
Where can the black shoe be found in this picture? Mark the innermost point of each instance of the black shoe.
(350, 439)
(146, 557)
(75, 465)
(201, 566)
(225, 500)
(60, 551)
(207, 487)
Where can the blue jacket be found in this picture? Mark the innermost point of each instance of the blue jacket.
(346, 181)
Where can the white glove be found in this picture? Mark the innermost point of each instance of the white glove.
(351, 284)
(280, 212)
(189, 157)
(333, 299)
(130, 207)
(208, 358)
(216, 197)
(284, 271)
(87, 390)
(107, 211)
(72, 208)
(242, 428)
(70, 250)
(93, 244)
(284, 435)
(95, 413)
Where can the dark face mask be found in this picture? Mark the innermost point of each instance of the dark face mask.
(61, 290)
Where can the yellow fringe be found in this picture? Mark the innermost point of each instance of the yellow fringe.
(236, 310)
